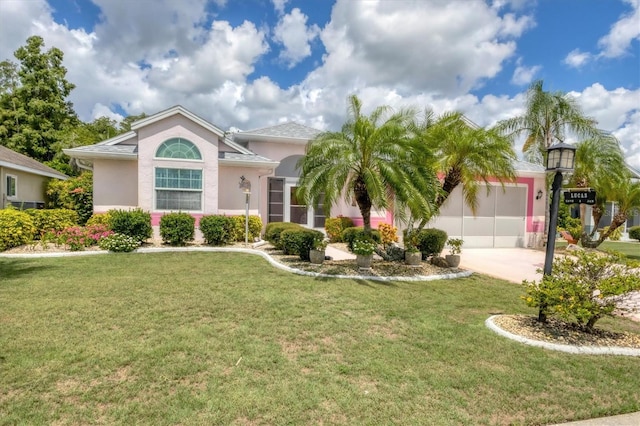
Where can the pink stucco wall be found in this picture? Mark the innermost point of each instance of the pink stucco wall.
(115, 184)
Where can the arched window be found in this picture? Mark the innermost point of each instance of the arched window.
(178, 148)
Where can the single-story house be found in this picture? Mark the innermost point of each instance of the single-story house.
(23, 180)
(177, 161)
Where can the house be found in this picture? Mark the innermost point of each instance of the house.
(177, 161)
(23, 180)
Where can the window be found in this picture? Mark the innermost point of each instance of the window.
(178, 148)
(12, 186)
(178, 189)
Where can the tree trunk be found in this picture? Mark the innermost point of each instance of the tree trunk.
(451, 180)
(617, 221)
(364, 203)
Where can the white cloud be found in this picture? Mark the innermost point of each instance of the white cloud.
(622, 33)
(279, 5)
(523, 75)
(292, 32)
(577, 59)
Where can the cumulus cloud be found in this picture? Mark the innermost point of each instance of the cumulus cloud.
(279, 5)
(292, 32)
(524, 75)
(577, 58)
(622, 33)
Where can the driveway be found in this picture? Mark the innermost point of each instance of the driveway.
(511, 264)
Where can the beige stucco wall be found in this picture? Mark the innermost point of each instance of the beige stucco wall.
(115, 185)
(152, 136)
(232, 200)
(30, 187)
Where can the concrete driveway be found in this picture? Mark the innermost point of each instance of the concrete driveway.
(511, 264)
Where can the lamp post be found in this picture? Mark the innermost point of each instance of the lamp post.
(245, 186)
(560, 158)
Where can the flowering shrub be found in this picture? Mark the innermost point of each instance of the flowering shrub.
(77, 237)
(118, 243)
(363, 247)
(388, 234)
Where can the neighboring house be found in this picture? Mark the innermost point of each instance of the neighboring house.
(177, 161)
(23, 180)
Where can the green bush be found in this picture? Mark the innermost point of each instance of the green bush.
(118, 243)
(76, 238)
(74, 194)
(582, 287)
(217, 230)
(274, 229)
(100, 219)
(16, 228)
(177, 229)
(615, 235)
(430, 241)
(299, 241)
(634, 233)
(573, 226)
(255, 227)
(134, 223)
(48, 220)
(349, 235)
(334, 227)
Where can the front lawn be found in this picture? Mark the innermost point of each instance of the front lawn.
(224, 338)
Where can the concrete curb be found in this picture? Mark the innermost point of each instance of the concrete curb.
(266, 256)
(583, 350)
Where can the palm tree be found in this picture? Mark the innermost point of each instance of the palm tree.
(465, 154)
(373, 160)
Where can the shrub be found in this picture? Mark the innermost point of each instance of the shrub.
(49, 220)
(363, 246)
(615, 235)
(78, 237)
(582, 287)
(274, 229)
(134, 223)
(118, 243)
(16, 228)
(74, 194)
(217, 230)
(634, 232)
(349, 235)
(299, 241)
(255, 227)
(177, 229)
(388, 234)
(334, 227)
(573, 226)
(100, 219)
(430, 242)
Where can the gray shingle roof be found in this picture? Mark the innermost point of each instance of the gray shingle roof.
(291, 130)
(10, 158)
(253, 158)
(107, 149)
(525, 166)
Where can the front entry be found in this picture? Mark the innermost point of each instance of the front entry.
(284, 205)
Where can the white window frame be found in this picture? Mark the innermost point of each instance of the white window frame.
(201, 190)
(14, 196)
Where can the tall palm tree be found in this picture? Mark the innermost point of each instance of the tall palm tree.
(465, 154)
(373, 160)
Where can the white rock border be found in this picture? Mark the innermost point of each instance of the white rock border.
(583, 350)
(266, 256)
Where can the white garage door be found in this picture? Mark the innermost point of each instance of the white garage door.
(499, 220)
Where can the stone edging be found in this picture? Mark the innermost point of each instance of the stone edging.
(266, 256)
(584, 350)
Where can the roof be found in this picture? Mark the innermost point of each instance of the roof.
(286, 131)
(525, 166)
(17, 161)
(250, 160)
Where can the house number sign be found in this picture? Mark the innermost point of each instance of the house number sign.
(580, 196)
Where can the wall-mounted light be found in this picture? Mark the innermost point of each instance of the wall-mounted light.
(539, 194)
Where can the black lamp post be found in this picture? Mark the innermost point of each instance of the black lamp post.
(560, 158)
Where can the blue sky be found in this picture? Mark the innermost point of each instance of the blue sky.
(253, 63)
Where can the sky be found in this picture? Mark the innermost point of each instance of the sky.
(247, 64)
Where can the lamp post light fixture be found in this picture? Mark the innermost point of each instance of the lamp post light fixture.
(245, 186)
(560, 158)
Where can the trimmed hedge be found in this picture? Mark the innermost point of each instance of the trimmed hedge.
(634, 232)
(299, 241)
(217, 230)
(16, 228)
(255, 227)
(334, 227)
(431, 241)
(56, 220)
(100, 219)
(349, 235)
(274, 229)
(177, 229)
(134, 223)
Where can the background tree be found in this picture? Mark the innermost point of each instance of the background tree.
(464, 154)
(34, 112)
(374, 159)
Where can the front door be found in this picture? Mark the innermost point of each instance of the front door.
(297, 212)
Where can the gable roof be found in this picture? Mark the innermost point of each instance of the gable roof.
(291, 131)
(17, 161)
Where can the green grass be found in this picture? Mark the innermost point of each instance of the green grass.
(222, 338)
(629, 249)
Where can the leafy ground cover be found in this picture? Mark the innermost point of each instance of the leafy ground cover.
(224, 338)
